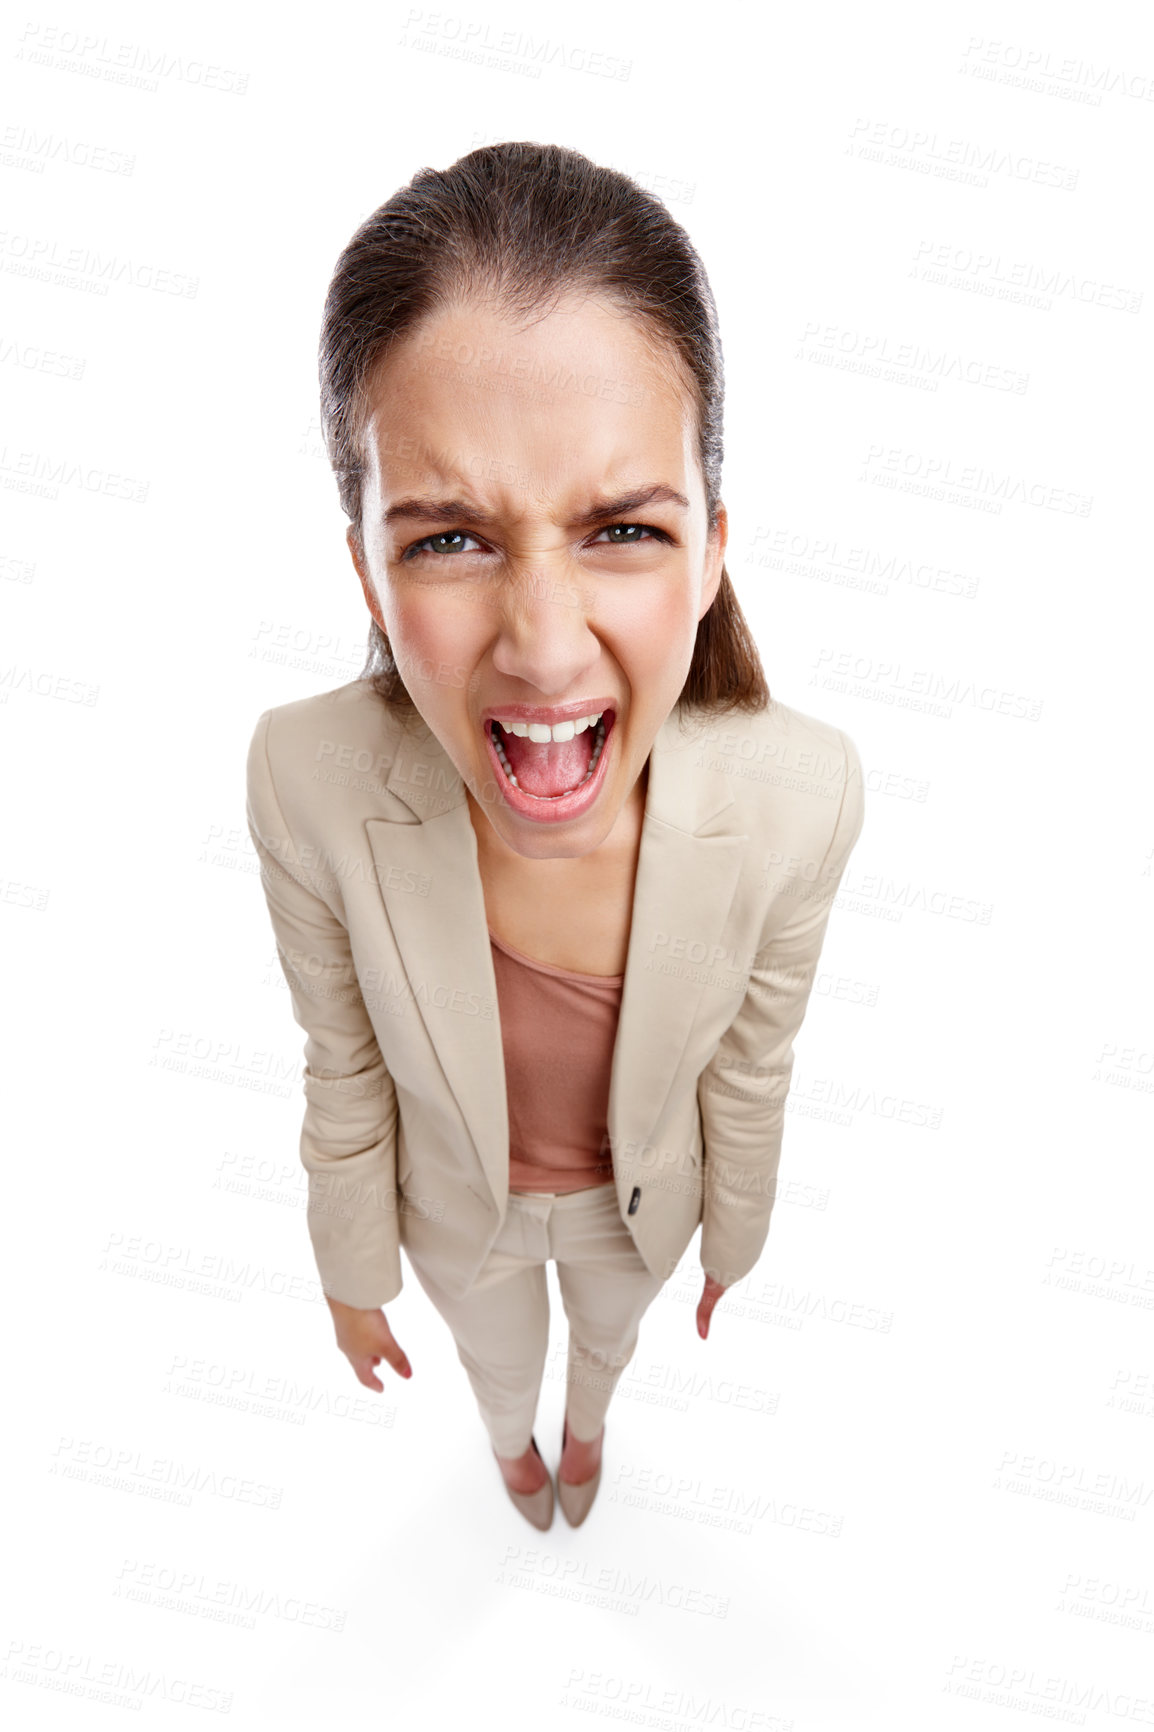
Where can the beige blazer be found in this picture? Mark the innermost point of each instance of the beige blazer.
(369, 867)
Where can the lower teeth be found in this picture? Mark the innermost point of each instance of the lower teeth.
(598, 743)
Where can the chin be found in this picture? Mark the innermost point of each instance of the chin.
(558, 841)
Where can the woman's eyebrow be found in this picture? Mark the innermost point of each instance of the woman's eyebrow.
(461, 511)
(437, 511)
(636, 500)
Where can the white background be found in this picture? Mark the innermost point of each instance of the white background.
(907, 1482)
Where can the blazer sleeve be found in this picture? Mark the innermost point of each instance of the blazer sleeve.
(348, 1136)
(743, 1090)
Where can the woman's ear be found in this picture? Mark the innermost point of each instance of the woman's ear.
(714, 561)
(354, 545)
(356, 548)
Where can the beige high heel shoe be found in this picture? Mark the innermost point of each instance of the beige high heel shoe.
(535, 1506)
(576, 1500)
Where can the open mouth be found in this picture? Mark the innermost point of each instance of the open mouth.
(551, 769)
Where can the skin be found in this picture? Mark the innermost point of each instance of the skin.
(533, 607)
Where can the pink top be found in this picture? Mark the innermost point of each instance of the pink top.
(558, 1029)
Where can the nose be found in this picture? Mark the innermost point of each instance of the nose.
(544, 636)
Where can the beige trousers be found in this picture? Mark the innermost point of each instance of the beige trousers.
(501, 1326)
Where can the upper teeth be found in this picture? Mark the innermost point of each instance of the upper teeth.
(541, 731)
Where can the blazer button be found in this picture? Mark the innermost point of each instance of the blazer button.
(634, 1200)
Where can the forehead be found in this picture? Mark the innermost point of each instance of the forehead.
(573, 393)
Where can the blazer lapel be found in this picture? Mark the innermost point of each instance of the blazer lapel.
(431, 884)
(428, 872)
(687, 874)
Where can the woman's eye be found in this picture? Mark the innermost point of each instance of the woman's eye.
(628, 539)
(452, 541)
(447, 541)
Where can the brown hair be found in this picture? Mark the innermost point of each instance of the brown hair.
(527, 224)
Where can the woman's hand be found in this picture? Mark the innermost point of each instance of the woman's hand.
(710, 1295)
(365, 1339)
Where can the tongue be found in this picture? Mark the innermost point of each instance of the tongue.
(552, 768)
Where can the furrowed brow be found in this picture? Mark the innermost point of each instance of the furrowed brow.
(427, 510)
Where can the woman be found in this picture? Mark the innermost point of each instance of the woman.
(550, 881)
